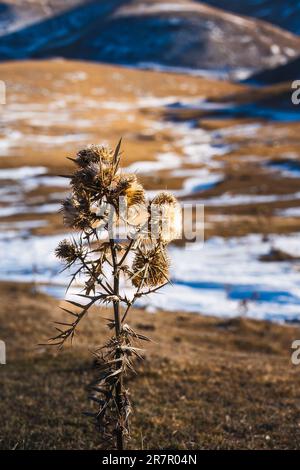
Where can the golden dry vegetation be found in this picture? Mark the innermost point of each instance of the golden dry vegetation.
(51, 100)
(205, 383)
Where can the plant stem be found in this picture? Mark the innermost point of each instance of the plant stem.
(119, 384)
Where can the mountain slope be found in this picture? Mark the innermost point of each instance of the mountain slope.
(182, 34)
(284, 13)
(16, 14)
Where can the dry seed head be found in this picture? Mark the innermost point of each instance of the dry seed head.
(85, 177)
(135, 194)
(150, 267)
(164, 198)
(128, 186)
(76, 212)
(67, 251)
(105, 177)
(166, 217)
(124, 181)
(97, 168)
(94, 154)
(70, 211)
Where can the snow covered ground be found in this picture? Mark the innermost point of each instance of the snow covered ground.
(223, 277)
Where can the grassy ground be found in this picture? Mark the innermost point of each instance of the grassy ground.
(205, 383)
(49, 100)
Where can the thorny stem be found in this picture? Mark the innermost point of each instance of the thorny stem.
(126, 252)
(118, 329)
(136, 294)
(109, 292)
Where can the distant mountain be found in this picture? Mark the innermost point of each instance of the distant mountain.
(15, 14)
(284, 13)
(179, 34)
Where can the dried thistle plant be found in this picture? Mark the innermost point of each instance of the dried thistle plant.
(103, 205)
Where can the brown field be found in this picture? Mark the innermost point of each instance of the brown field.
(48, 100)
(205, 383)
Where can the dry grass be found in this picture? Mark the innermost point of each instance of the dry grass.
(111, 100)
(52, 88)
(208, 383)
(47, 100)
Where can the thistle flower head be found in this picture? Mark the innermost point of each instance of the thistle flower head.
(129, 187)
(135, 194)
(76, 213)
(166, 218)
(97, 168)
(126, 194)
(70, 211)
(85, 177)
(150, 267)
(94, 178)
(67, 251)
(105, 177)
(164, 198)
(94, 154)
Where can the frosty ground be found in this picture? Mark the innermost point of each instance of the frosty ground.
(174, 138)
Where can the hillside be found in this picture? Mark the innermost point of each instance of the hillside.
(181, 34)
(16, 14)
(286, 72)
(284, 13)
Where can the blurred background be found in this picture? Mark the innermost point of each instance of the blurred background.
(201, 94)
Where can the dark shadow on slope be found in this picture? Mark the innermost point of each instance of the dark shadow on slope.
(243, 291)
(284, 13)
(91, 32)
(280, 109)
(259, 111)
(137, 41)
(7, 14)
(58, 30)
(283, 73)
(4, 10)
